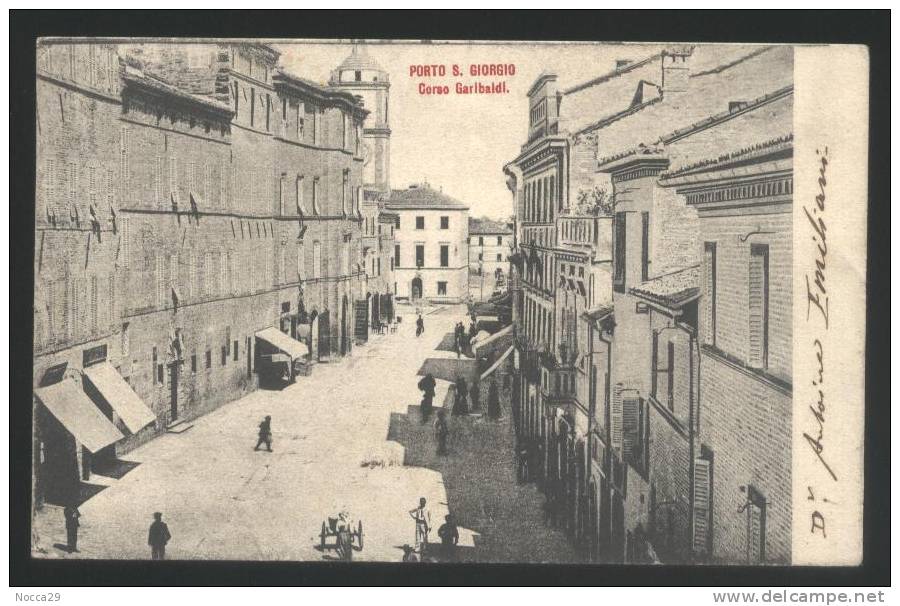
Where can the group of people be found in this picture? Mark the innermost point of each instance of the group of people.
(447, 532)
(157, 539)
(462, 340)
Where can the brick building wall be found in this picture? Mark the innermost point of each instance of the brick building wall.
(749, 439)
(167, 227)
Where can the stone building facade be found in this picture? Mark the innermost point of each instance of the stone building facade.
(648, 405)
(430, 245)
(490, 245)
(188, 198)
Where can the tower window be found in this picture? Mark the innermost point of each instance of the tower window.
(357, 75)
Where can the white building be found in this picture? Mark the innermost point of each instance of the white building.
(431, 256)
(490, 244)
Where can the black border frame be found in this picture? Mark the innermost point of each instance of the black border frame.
(871, 28)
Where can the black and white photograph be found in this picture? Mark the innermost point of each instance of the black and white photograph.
(440, 302)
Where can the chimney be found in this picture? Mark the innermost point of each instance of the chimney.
(676, 70)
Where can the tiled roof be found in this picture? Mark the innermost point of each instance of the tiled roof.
(671, 290)
(422, 197)
(760, 149)
(598, 312)
(487, 226)
(359, 59)
(135, 77)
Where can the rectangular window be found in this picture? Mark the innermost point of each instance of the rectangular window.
(252, 105)
(194, 362)
(670, 382)
(234, 351)
(499, 240)
(396, 255)
(420, 255)
(654, 364)
(442, 288)
(445, 255)
(420, 222)
(499, 257)
(709, 293)
(317, 259)
(480, 240)
(208, 359)
(281, 195)
(301, 114)
(619, 251)
(445, 222)
(759, 306)
(645, 246)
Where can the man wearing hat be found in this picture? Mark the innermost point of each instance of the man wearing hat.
(265, 434)
(159, 536)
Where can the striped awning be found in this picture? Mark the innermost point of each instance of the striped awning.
(74, 410)
(120, 396)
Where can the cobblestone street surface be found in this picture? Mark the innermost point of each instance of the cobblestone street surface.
(341, 437)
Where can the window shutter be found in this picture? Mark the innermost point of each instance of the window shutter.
(757, 307)
(616, 416)
(157, 183)
(702, 497)
(112, 311)
(709, 293)
(754, 534)
(654, 363)
(223, 273)
(192, 274)
(630, 425)
(201, 275)
(124, 235)
(94, 312)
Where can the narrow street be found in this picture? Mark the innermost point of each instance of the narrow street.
(341, 437)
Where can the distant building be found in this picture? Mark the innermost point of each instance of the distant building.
(490, 245)
(431, 245)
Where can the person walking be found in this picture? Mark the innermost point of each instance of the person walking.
(427, 385)
(71, 515)
(475, 395)
(422, 517)
(494, 401)
(441, 431)
(158, 537)
(449, 535)
(265, 434)
(460, 406)
(420, 325)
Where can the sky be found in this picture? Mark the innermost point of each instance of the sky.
(460, 143)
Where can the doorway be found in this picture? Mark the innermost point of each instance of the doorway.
(173, 391)
(344, 339)
(416, 291)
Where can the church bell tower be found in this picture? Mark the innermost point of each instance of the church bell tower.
(361, 75)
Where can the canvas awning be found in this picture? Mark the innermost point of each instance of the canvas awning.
(118, 393)
(70, 405)
(449, 369)
(279, 340)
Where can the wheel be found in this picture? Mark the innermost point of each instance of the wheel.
(359, 534)
(323, 534)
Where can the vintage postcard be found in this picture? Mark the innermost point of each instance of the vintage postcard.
(448, 301)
